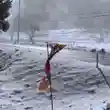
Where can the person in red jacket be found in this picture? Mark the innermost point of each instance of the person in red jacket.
(45, 83)
(55, 48)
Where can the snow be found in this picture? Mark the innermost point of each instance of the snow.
(16, 95)
(97, 46)
(64, 36)
(81, 40)
(18, 81)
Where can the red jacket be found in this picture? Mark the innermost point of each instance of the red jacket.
(47, 68)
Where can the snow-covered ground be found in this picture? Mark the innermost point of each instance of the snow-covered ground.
(81, 40)
(84, 86)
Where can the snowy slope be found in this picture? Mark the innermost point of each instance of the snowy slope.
(81, 40)
(18, 82)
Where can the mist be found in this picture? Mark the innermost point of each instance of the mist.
(56, 14)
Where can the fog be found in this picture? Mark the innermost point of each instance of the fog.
(93, 15)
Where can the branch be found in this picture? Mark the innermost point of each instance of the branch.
(6, 67)
(99, 69)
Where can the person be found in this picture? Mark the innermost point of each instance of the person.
(48, 70)
(44, 85)
(55, 48)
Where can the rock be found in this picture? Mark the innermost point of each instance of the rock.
(59, 72)
(1, 51)
(92, 91)
(70, 105)
(40, 53)
(16, 101)
(16, 92)
(104, 101)
(4, 54)
(107, 106)
(22, 104)
(29, 50)
(27, 85)
(93, 50)
(17, 54)
(30, 67)
(63, 102)
(23, 97)
(10, 57)
(16, 50)
(28, 108)
(102, 50)
(9, 96)
(1, 66)
(18, 60)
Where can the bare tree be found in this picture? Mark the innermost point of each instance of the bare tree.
(5, 5)
(31, 33)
